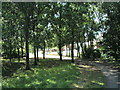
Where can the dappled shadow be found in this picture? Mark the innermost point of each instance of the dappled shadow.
(52, 63)
(92, 76)
(9, 68)
(53, 73)
(61, 76)
(110, 73)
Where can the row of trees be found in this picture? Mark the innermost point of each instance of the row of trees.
(54, 24)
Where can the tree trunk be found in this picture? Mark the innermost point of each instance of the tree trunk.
(44, 51)
(66, 51)
(59, 35)
(35, 43)
(27, 43)
(18, 55)
(22, 44)
(60, 51)
(37, 53)
(69, 52)
(72, 52)
(35, 61)
(22, 51)
(72, 46)
(82, 48)
(78, 50)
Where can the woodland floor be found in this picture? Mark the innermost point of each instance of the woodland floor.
(52, 73)
(90, 74)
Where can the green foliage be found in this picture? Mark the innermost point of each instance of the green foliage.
(61, 75)
(89, 52)
(111, 36)
(92, 53)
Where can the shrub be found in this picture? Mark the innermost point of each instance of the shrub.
(96, 53)
(92, 53)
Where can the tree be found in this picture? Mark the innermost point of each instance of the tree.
(111, 36)
(27, 14)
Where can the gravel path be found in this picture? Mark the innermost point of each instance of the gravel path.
(110, 74)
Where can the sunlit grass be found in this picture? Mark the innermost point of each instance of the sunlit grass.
(44, 78)
(53, 73)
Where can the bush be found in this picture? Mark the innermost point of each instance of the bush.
(96, 53)
(89, 52)
(92, 53)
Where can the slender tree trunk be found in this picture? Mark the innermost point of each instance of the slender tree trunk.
(88, 44)
(35, 56)
(34, 41)
(72, 46)
(27, 39)
(78, 50)
(69, 52)
(60, 51)
(22, 51)
(35, 61)
(18, 55)
(22, 44)
(27, 53)
(44, 51)
(82, 48)
(37, 53)
(72, 52)
(60, 26)
(66, 51)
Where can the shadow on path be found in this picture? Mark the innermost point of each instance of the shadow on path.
(110, 74)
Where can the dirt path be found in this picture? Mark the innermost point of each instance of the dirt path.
(110, 74)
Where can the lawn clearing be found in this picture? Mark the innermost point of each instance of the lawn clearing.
(52, 73)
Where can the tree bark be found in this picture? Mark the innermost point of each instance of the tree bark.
(72, 46)
(82, 48)
(22, 51)
(66, 51)
(22, 44)
(18, 55)
(59, 45)
(72, 51)
(44, 51)
(69, 52)
(37, 53)
(27, 39)
(78, 50)
(35, 61)
(60, 51)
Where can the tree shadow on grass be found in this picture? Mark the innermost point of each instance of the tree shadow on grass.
(9, 68)
(58, 77)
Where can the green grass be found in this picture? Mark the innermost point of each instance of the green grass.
(52, 73)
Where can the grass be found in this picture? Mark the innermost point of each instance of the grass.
(52, 73)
